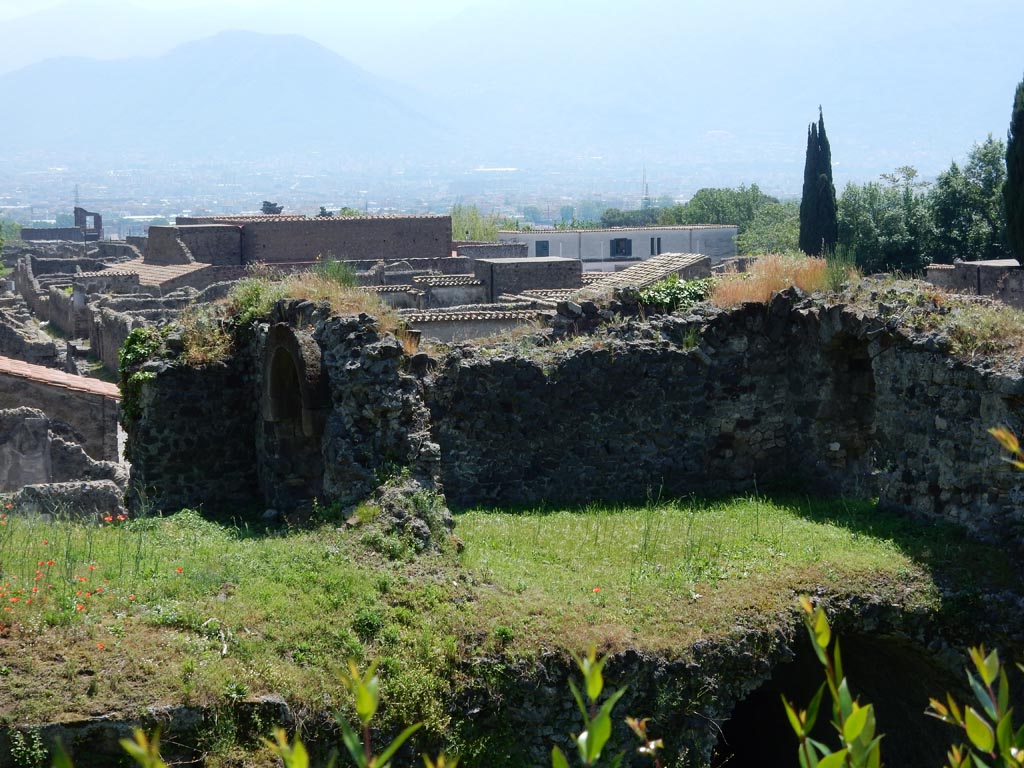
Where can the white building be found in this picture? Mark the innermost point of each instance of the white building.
(614, 249)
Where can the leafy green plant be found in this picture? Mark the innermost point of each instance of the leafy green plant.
(860, 746)
(365, 690)
(597, 720)
(993, 741)
(340, 272)
(672, 293)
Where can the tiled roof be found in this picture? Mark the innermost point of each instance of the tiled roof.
(556, 294)
(387, 288)
(56, 378)
(441, 316)
(649, 272)
(446, 281)
(154, 274)
(535, 232)
(594, 277)
(300, 217)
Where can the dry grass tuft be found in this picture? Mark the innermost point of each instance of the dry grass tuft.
(768, 275)
(204, 339)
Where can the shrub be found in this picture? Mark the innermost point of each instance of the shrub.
(673, 294)
(204, 338)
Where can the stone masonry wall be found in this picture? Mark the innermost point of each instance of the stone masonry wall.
(349, 239)
(794, 394)
(219, 244)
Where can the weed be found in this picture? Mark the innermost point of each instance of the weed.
(204, 337)
(768, 275)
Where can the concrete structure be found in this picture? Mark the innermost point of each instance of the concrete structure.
(517, 275)
(613, 249)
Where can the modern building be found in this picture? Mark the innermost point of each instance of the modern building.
(618, 248)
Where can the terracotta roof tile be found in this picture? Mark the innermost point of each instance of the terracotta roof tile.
(55, 378)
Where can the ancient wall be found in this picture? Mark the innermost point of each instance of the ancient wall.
(116, 251)
(164, 247)
(219, 244)
(794, 394)
(88, 406)
(350, 239)
(72, 234)
(493, 250)
(516, 275)
(193, 443)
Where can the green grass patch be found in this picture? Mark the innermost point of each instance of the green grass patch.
(132, 613)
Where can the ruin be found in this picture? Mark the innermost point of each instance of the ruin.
(1002, 279)
(88, 228)
(824, 396)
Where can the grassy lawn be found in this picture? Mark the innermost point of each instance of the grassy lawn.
(181, 610)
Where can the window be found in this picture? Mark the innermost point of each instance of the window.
(652, 247)
(542, 248)
(621, 248)
(659, 245)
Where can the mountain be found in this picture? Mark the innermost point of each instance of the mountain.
(233, 95)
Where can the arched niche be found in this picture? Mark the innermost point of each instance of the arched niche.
(294, 408)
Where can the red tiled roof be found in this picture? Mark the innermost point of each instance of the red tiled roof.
(55, 378)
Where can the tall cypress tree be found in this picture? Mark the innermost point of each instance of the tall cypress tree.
(1013, 189)
(819, 223)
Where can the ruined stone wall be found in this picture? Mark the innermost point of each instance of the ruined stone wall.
(516, 275)
(493, 250)
(92, 417)
(193, 443)
(219, 244)
(1004, 284)
(164, 247)
(349, 239)
(116, 251)
(794, 394)
(70, 234)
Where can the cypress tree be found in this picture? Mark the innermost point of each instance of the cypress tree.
(1013, 189)
(819, 223)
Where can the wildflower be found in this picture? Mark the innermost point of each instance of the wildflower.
(49, 562)
(596, 590)
(34, 590)
(8, 505)
(15, 599)
(79, 607)
(108, 519)
(131, 597)
(92, 567)
(46, 543)
(122, 518)
(100, 646)
(179, 569)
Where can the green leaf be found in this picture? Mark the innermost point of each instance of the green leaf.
(855, 723)
(60, 757)
(579, 700)
(822, 631)
(794, 718)
(837, 661)
(845, 699)
(352, 743)
(981, 694)
(1004, 733)
(400, 739)
(558, 759)
(812, 709)
(601, 727)
(1004, 692)
(835, 760)
(979, 731)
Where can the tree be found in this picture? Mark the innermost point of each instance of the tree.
(1013, 190)
(645, 217)
(712, 205)
(967, 204)
(819, 228)
(469, 224)
(774, 229)
(270, 208)
(886, 226)
(324, 213)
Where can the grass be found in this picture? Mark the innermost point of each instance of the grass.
(183, 610)
(769, 274)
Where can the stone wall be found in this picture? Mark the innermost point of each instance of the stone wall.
(164, 247)
(194, 443)
(349, 239)
(513, 276)
(70, 234)
(493, 250)
(794, 394)
(219, 244)
(88, 407)
(116, 250)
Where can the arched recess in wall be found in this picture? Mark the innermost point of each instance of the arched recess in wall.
(294, 408)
